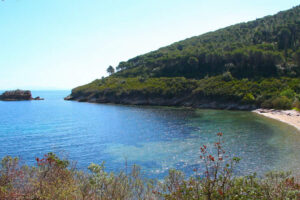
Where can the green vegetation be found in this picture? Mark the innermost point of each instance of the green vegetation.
(266, 47)
(255, 63)
(278, 93)
(110, 70)
(55, 178)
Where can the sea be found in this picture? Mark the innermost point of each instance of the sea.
(155, 138)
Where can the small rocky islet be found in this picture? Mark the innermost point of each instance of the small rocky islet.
(18, 95)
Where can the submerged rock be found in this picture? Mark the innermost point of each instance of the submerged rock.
(18, 95)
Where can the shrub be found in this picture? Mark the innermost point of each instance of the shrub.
(289, 93)
(54, 178)
(296, 104)
(10, 176)
(281, 103)
(218, 181)
(267, 103)
(226, 76)
(248, 98)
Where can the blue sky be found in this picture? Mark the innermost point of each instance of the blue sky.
(61, 44)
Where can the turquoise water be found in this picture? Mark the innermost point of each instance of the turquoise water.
(156, 138)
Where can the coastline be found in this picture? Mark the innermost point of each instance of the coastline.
(187, 101)
(290, 117)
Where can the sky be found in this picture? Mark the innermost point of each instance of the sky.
(61, 44)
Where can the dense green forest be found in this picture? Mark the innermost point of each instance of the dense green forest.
(255, 63)
(261, 48)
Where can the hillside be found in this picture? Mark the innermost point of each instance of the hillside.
(247, 65)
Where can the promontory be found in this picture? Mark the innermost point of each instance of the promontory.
(244, 66)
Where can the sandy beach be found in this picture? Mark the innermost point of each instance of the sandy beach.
(291, 117)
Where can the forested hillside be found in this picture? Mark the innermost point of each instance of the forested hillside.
(229, 65)
(265, 47)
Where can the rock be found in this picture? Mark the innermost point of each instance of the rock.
(140, 99)
(68, 98)
(18, 95)
(38, 98)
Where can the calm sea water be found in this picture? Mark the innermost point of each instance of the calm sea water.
(156, 138)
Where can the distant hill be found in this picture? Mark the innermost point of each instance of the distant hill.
(247, 65)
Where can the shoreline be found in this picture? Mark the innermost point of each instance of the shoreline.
(290, 117)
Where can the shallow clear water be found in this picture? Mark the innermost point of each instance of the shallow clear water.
(156, 138)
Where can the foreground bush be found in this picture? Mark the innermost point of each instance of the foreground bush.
(55, 178)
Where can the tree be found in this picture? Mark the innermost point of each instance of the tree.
(193, 61)
(110, 70)
(284, 41)
(122, 65)
(297, 57)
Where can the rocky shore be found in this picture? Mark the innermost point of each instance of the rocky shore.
(18, 95)
(186, 101)
(291, 117)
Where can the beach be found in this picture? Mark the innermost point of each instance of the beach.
(291, 117)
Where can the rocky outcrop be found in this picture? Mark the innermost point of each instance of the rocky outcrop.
(186, 101)
(18, 95)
